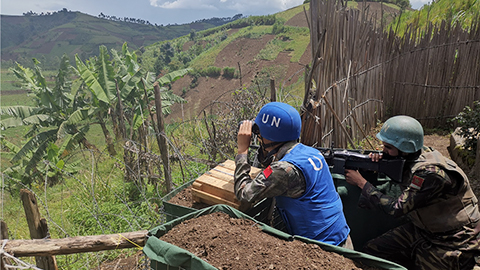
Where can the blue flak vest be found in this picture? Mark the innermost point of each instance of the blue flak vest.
(318, 213)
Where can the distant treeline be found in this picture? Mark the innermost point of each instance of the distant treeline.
(31, 13)
(215, 21)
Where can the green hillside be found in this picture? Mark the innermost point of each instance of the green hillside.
(48, 37)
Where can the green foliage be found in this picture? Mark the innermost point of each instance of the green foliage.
(463, 12)
(293, 39)
(278, 28)
(193, 34)
(400, 3)
(211, 71)
(229, 72)
(271, 50)
(55, 119)
(469, 122)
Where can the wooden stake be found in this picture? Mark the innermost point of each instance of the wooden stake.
(339, 121)
(273, 92)
(3, 235)
(162, 141)
(37, 226)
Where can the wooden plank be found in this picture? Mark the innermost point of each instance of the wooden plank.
(217, 186)
(211, 199)
(79, 244)
(230, 164)
(205, 180)
(225, 176)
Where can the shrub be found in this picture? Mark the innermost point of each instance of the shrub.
(278, 27)
(212, 71)
(469, 122)
(229, 72)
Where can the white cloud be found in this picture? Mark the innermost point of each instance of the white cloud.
(187, 4)
(248, 6)
(417, 4)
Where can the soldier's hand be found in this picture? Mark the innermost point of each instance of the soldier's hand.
(353, 177)
(375, 156)
(244, 136)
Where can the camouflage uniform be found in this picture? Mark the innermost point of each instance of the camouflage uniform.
(439, 202)
(285, 181)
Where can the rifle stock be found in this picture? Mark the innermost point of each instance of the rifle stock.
(339, 160)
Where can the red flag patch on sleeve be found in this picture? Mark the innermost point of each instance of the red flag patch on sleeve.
(267, 171)
(417, 182)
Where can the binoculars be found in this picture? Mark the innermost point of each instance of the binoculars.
(255, 128)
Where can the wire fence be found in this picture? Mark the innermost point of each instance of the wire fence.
(98, 199)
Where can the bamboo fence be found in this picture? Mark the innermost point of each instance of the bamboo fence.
(361, 74)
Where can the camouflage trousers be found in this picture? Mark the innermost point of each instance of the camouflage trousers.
(407, 246)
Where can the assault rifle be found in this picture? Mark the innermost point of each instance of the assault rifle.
(340, 159)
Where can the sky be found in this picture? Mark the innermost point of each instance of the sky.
(160, 11)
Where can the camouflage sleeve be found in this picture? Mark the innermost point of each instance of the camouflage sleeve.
(425, 185)
(280, 178)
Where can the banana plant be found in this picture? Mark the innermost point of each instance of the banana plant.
(122, 89)
(53, 168)
(54, 115)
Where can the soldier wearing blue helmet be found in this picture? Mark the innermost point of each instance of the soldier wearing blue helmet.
(437, 199)
(296, 175)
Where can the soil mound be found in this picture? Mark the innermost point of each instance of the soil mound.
(230, 243)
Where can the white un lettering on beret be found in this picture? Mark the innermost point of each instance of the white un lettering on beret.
(275, 120)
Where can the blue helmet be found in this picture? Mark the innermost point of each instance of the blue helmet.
(403, 132)
(279, 122)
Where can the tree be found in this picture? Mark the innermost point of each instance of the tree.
(123, 90)
(55, 118)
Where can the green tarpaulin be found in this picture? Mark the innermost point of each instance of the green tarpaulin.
(167, 256)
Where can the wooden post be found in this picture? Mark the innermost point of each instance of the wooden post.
(273, 92)
(161, 139)
(239, 75)
(3, 230)
(37, 226)
(3, 235)
(338, 120)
